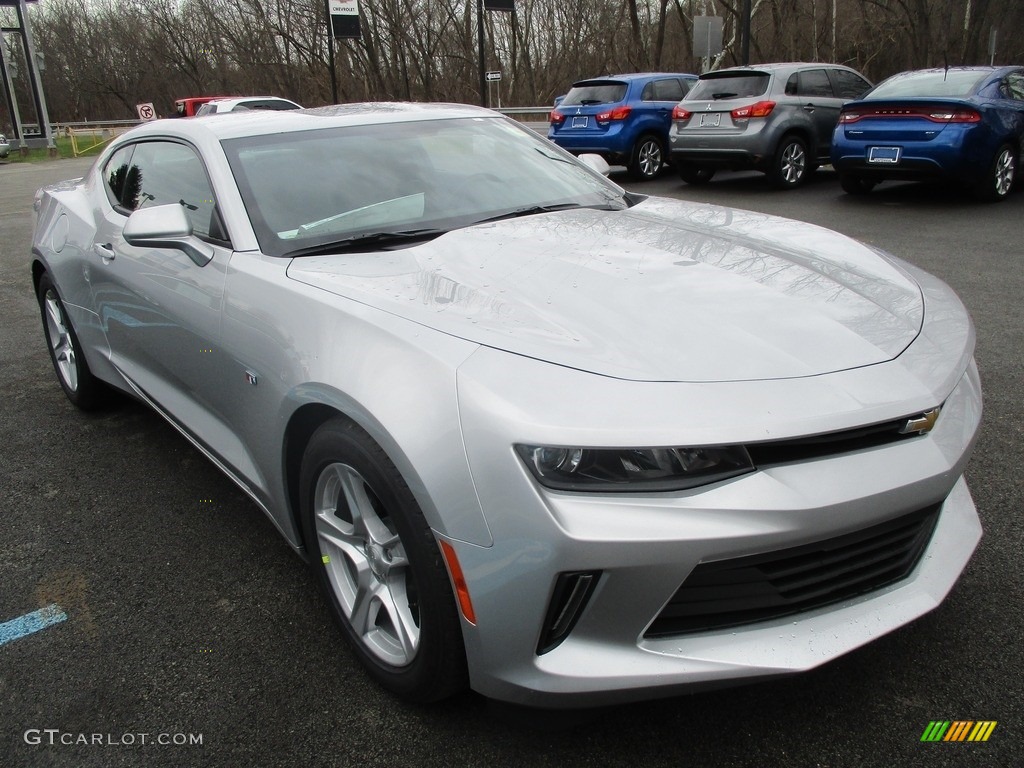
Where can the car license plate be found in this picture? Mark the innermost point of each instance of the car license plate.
(713, 120)
(579, 122)
(884, 155)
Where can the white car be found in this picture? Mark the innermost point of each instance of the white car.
(561, 443)
(245, 104)
(5, 147)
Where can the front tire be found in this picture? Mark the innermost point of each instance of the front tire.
(83, 389)
(379, 565)
(647, 158)
(791, 165)
(996, 184)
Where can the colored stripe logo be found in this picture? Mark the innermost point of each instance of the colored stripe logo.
(959, 730)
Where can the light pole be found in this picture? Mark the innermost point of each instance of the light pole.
(480, 48)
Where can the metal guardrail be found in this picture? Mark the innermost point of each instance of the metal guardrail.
(31, 129)
(517, 111)
(32, 138)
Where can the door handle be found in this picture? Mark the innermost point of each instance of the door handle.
(105, 251)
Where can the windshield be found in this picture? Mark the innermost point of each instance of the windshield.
(740, 85)
(583, 94)
(933, 83)
(314, 188)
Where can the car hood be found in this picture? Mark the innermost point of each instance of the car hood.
(663, 291)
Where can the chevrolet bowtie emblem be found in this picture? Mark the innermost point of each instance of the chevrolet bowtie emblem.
(921, 424)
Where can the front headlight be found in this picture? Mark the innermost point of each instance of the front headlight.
(633, 470)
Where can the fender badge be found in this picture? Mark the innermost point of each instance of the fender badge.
(921, 424)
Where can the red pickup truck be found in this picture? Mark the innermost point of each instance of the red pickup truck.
(189, 107)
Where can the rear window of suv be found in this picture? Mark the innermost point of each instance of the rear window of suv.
(730, 85)
(604, 92)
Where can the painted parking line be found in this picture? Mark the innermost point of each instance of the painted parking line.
(31, 622)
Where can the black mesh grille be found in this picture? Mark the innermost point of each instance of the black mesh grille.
(760, 587)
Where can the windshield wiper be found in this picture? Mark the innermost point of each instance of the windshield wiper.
(724, 95)
(531, 210)
(368, 241)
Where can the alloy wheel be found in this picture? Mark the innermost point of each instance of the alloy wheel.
(793, 163)
(367, 565)
(1004, 172)
(60, 341)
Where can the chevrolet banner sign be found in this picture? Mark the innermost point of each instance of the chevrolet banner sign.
(344, 15)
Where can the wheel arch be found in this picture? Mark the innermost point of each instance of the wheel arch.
(463, 519)
(303, 424)
(297, 433)
(39, 268)
(801, 133)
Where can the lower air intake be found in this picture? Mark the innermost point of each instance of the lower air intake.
(760, 587)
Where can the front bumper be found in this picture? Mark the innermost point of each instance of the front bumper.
(644, 546)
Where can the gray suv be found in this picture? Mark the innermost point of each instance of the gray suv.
(774, 118)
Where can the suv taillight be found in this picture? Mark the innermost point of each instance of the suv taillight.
(760, 109)
(678, 113)
(556, 117)
(620, 112)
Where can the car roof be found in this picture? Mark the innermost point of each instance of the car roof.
(258, 122)
(777, 66)
(240, 99)
(631, 76)
(980, 69)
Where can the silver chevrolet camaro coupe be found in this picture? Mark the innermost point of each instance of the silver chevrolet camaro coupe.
(561, 443)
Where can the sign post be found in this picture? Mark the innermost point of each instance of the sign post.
(343, 22)
(344, 18)
(493, 77)
(707, 36)
(489, 5)
(32, 64)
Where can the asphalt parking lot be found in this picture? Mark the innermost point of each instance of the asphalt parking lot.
(186, 614)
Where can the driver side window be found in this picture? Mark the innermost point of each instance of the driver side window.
(164, 172)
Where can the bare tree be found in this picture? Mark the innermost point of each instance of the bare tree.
(105, 56)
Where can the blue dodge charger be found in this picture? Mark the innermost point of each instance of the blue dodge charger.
(959, 124)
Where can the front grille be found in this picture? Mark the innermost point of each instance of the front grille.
(760, 587)
(830, 443)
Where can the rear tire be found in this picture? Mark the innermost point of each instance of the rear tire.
(84, 390)
(695, 174)
(791, 165)
(379, 566)
(997, 183)
(855, 185)
(647, 158)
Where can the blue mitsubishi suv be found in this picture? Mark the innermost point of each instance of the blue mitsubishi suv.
(623, 118)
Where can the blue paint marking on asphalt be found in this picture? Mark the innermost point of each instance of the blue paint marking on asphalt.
(31, 622)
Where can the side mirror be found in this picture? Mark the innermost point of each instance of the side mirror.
(166, 226)
(596, 163)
